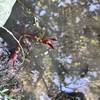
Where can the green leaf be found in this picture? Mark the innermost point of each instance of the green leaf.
(5, 90)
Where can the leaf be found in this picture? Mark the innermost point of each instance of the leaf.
(94, 42)
(5, 97)
(5, 10)
(5, 90)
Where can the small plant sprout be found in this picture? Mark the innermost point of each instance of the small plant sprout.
(13, 56)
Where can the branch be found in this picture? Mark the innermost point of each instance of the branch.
(17, 42)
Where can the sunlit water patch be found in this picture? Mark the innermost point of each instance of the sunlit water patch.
(65, 59)
(71, 84)
(94, 7)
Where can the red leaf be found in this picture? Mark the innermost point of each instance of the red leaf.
(13, 56)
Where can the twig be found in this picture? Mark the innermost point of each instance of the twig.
(17, 42)
(45, 83)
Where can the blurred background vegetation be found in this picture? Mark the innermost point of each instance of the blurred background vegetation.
(68, 72)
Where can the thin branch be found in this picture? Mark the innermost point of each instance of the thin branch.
(44, 83)
(17, 42)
